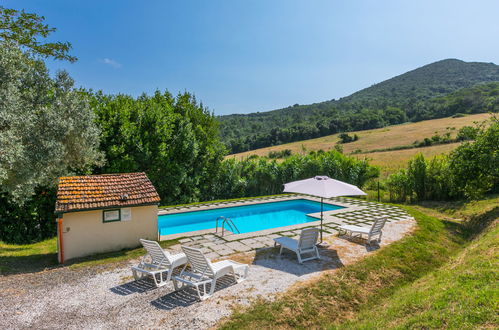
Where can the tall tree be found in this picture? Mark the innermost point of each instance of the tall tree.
(47, 128)
(173, 139)
(28, 31)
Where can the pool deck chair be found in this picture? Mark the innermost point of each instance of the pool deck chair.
(373, 232)
(306, 244)
(157, 263)
(202, 272)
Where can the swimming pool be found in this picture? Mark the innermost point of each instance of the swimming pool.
(247, 218)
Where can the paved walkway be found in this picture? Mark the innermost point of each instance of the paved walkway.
(356, 212)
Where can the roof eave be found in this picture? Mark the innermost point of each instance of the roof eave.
(58, 213)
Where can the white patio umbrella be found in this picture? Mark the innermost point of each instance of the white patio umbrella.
(323, 187)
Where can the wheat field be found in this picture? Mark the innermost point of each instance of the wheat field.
(382, 138)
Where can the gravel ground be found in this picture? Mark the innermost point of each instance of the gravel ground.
(99, 298)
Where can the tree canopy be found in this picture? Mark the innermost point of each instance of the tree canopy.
(173, 139)
(47, 128)
(27, 30)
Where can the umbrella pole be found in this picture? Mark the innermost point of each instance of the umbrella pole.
(322, 208)
(322, 244)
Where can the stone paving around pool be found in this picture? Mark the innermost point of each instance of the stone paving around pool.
(357, 212)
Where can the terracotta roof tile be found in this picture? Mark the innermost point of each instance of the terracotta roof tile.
(78, 193)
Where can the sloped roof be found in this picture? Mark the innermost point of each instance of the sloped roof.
(89, 192)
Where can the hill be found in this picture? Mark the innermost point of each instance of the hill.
(389, 137)
(407, 97)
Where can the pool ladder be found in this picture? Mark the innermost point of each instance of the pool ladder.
(227, 222)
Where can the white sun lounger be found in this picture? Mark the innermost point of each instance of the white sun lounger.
(357, 231)
(306, 244)
(157, 262)
(202, 272)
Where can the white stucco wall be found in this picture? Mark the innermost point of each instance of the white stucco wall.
(84, 233)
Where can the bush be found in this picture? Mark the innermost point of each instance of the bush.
(31, 222)
(345, 138)
(470, 171)
(467, 133)
(280, 154)
(474, 165)
(260, 176)
(398, 186)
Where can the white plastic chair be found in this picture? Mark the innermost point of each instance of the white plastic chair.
(306, 244)
(157, 262)
(202, 272)
(357, 231)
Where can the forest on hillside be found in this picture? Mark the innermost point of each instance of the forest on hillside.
(436, 90)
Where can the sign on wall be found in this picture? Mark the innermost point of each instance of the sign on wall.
(126, 214)
(111, 215)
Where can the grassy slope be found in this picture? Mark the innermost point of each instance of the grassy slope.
(463, 294)
(387, 137)
(421, 281)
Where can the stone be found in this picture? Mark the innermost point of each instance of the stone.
(263, 238)
(225, 251)
(206, 250)
(212, 255)
(248, 241)
(256, 245)
(210, 244)
(238, 246)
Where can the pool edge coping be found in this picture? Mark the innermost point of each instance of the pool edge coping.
(347, 207)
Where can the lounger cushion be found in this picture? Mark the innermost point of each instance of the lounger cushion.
(287, 242)
(357, 229)
(224, 263)
(181, 258)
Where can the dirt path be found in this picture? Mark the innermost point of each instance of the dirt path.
(96, 298)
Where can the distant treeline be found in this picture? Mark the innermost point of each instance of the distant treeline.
(436, 90)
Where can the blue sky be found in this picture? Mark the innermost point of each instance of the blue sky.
(247, 56)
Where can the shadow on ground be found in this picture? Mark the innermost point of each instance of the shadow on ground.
(27, 264)
(288, 262)
(373, 246)
(187, 296)
(140, 286)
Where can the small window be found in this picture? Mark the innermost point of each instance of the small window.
(111, 215)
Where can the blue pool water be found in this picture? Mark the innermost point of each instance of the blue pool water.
(247, 218)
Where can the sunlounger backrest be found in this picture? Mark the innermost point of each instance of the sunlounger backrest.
(198, 261)
(157, 254)
(378, 224)
(308, 238)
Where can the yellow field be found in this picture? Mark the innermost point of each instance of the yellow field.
(391, 161)
(381, 138)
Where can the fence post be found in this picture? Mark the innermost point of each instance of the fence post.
(378, 192)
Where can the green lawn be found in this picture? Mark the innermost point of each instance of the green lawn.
(26, 258)
(421, 281)
(42, 255)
